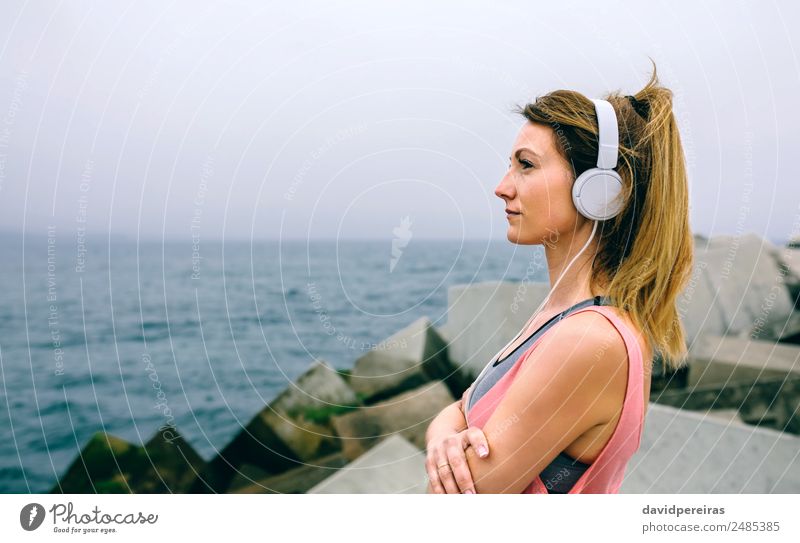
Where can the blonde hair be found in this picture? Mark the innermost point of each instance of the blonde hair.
(645, 253)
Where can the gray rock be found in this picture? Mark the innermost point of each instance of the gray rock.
(173, 464)
(408, 414)
(295, 481)
(294, 428)
(769, 402)
(108, 464)
(725, 415)
(697, 307)
(688, 453)
(790, 258)
(246, 476)
(722, 359)
(738, 286)
(786, 331)
(746, 283)
(483, 317)
(410, 357)
(393, 466)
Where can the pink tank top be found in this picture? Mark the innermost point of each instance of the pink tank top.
(605, 474)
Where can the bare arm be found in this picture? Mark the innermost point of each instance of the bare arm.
(559, 392)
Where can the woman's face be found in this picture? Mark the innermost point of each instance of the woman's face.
(538, 186)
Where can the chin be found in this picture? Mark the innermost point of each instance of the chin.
(513, 236)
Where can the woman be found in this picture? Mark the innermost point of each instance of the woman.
(562, 408)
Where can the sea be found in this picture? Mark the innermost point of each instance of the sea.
(127, 336)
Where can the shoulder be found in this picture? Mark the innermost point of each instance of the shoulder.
(570, 379)
(586, 338)
(583, 357)
(578, 369)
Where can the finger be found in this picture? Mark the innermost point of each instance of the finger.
(460, 468)
(434, 482)
(445, 473)
(477, 440)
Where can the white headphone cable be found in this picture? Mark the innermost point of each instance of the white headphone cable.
(535, 313)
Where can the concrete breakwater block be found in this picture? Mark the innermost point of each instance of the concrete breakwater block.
(760, 379)
(294, 428)
(738, 287)
(722, 359)
(790, 258)
(687, 453)
(725, 415)
(787, 331)
(772, 402)
(108, 464)
(246, 475)
(414, 355)
(393, 466)
(482, 317)
(407, 414)
(295, 481)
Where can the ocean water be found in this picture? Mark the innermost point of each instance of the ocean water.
(90, 333)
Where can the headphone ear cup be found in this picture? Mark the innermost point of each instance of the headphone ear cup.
(595, 194)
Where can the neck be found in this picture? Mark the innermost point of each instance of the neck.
(575, 285)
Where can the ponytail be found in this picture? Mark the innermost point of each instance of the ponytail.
(647, 282)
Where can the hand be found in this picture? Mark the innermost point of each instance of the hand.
(446, 463)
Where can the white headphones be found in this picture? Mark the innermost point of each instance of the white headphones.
(595, 192)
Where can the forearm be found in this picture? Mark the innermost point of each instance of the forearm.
(449, 421)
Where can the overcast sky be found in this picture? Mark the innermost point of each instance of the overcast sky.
(338, 119)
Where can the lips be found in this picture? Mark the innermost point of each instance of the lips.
(510, 212)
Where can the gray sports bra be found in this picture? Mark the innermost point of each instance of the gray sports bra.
(562, 473)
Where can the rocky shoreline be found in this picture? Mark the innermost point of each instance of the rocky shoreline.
(362, 430)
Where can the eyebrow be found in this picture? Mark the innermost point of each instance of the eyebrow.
(519, 152)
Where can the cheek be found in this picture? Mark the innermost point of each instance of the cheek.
(549, 197)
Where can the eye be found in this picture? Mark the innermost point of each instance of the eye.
(525, 164)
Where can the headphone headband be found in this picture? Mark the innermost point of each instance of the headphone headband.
(608, 134)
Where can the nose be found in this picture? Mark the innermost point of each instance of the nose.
(505, 189)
